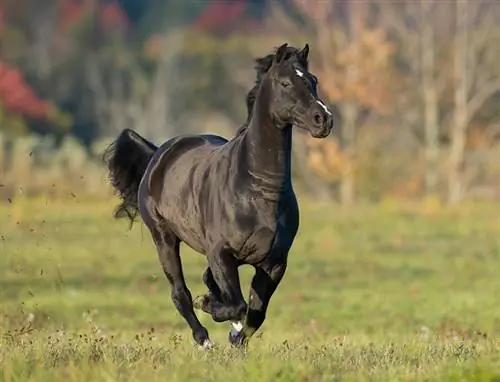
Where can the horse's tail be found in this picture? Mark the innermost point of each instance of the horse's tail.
(127, 158)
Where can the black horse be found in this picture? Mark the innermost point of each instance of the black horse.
(232, 201)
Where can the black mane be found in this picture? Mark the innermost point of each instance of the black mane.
(262, 65)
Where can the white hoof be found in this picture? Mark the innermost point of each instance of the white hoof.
(207, 345)
(236, 328)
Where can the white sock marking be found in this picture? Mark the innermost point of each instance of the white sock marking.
(236, 328)
(207, 344)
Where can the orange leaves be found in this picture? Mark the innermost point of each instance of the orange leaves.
(319, 11)
(326, 158)
(359, 71)
(351, 58)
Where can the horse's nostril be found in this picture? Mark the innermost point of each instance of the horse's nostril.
(318, 119)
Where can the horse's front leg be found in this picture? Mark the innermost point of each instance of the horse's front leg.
(264, 283)
(213, 298)
(225, 300)
(204, 302)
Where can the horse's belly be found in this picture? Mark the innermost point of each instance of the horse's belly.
(185, 223)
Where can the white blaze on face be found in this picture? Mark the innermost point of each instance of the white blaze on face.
(300, 74)
(324, 107)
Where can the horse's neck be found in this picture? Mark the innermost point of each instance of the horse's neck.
(267, 153)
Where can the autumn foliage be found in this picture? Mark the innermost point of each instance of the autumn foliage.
(221, 14)
(326, 158)
(398, 77)
(370, 53)
(17, 97)
(109, 15)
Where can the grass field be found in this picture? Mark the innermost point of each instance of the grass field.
(371, 293)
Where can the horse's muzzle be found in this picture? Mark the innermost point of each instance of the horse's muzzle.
(323, 125)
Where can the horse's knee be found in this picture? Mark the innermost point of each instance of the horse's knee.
(181, 296)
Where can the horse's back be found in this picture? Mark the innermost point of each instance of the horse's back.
(180, 154)
(175, 174)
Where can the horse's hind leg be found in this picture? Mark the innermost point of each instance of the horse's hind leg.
(167, 245)
(225, 301)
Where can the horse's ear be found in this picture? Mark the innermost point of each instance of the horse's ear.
(304, 54)
(280, 53)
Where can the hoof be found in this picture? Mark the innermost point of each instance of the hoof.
(207, 345)
(236, 337)
(236, 328)
(199, 302)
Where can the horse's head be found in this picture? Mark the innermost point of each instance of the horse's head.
(293, 97)
(263, 64)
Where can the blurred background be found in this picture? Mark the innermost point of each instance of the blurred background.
(416, 84)
(402, 283)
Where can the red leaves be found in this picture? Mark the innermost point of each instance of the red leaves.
(110, 15)
(220, 13)
(71, 12)
(17, 97)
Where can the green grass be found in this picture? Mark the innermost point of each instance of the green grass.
(371, 293)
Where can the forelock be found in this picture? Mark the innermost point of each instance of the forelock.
(263, 64)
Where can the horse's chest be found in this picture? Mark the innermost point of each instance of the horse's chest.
(273, 229)
(257, 244)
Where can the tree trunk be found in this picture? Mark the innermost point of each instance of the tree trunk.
(356, 11)
(430, 100)
(349, 117)
(455, 191)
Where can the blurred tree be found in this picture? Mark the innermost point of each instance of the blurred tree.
(476, 80)
(201, 73)
(413, 26)
(459, 129)
(428, 59)
(430, 95)
(17, 97)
